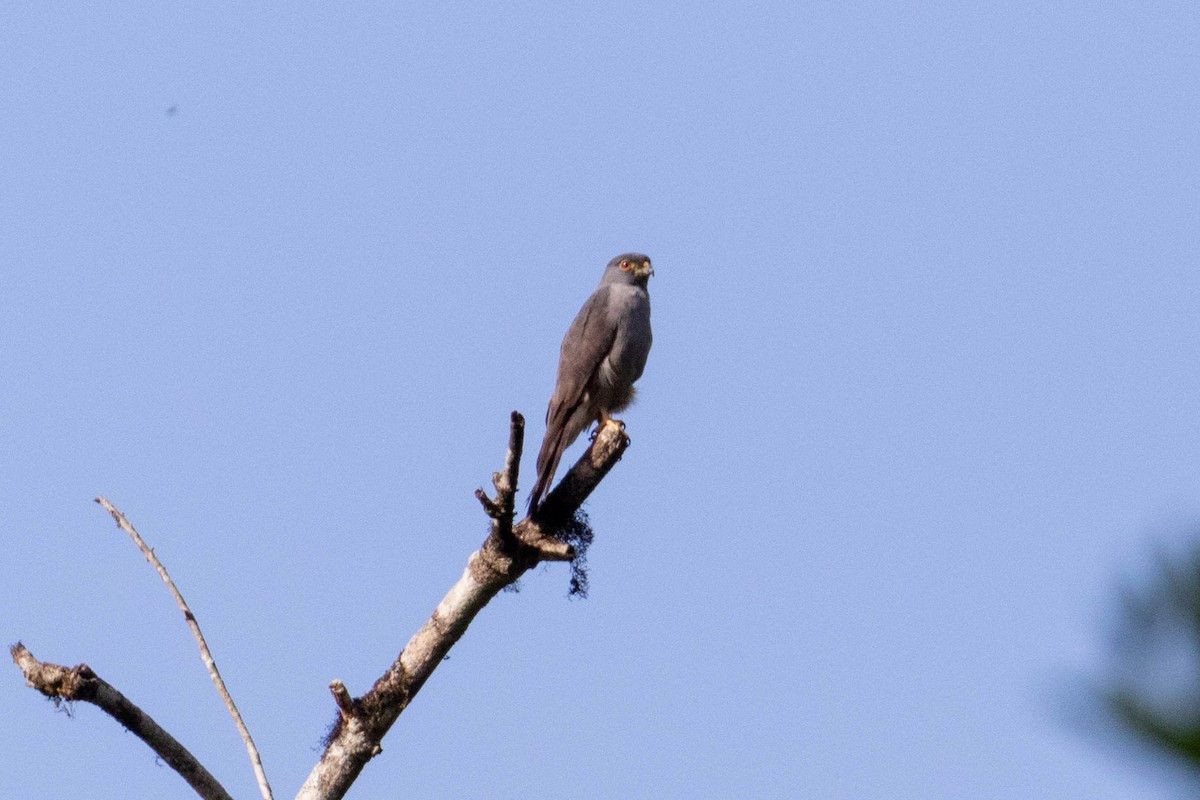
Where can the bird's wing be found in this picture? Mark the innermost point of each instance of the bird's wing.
(588, 341)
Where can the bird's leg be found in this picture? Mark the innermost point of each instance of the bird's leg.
(601, 421)
(605, 419)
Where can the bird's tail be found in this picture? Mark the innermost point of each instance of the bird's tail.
(547, 463)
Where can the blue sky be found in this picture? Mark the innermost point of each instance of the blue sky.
(923, 387)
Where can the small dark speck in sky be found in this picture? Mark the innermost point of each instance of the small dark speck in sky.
(172, 111)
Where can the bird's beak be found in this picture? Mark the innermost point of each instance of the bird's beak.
(646, 269)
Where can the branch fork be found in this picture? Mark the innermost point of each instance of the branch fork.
(508, 552)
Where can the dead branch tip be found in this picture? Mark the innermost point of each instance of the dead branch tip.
(341, 696)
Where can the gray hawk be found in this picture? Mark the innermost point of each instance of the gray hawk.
(602, 355)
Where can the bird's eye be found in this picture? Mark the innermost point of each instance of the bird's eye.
(625, 265)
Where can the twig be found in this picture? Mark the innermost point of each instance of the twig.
(81, 683)
(205, 654)
(501, 510)
(508, 553)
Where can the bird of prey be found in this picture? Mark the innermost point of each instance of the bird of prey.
(602, 355)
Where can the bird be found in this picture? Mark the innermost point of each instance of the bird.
(602, 355)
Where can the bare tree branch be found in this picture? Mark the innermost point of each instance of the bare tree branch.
(81, 683)
(205, 654)
(507, 553)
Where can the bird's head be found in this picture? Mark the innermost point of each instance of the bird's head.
(629, 268)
